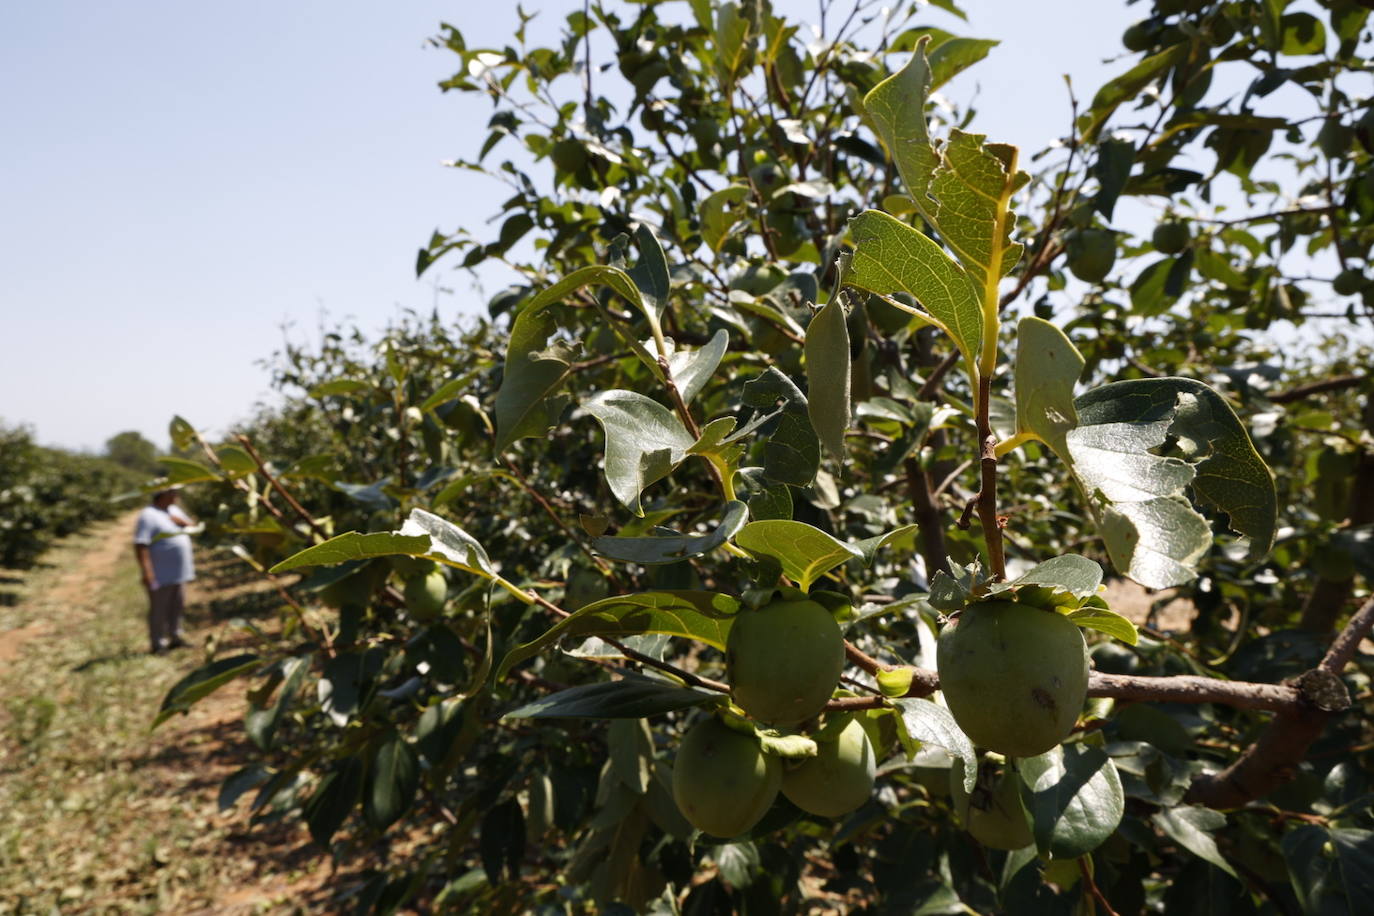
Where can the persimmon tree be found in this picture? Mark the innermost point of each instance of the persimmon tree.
(807, 401)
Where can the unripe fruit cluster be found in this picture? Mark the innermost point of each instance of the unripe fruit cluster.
(783, 662)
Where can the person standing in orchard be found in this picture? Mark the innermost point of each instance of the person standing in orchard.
(164, 557)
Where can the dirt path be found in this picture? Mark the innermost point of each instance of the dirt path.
(97, 814)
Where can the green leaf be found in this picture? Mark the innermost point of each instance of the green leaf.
(791, 452)
(931, 723)
(631, 747)
(1302, 33)
(182, 434)
(827, 376)
(1047, 368)
(869, 547)
(631, 697)
(1152, 534)
(805, 552)
(236, 461)
(182, 471)
(1191, 827)
(1332, 870)
(720, 212)
(526, 404)
(449, 544)
(955, 55)
(1076, 575)
(786, 745)
(1230, 475)
(242, 780)
(1076, 799)
(448, 391)
(393, 778)
(896, 107)
(891, 257)
(650, 275)
(644, 442)
(652, 551)
(1128, 85)
(1112, 169)
(692, 369)
(1105, 620)
(700, 615)
(261, 721)
(334, 799)
(972, 186)
(1150, 294)
(202, 682)
(354, 545)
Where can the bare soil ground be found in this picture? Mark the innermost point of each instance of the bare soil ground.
(97, 813)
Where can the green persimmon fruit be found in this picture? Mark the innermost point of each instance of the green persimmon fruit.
(993, 812)
(759, 279)
(1171, 237)
(723, 782)
(355, 589)
(838, 779)
(426, 595)
(930, 769)
(1092, 252)
(568, 155)
(412, 566)
(1014, 676)
(783, 660)
(1138, 37)
(1348, 282)
(1334, 138)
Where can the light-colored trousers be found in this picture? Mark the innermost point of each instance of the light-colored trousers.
(166, 604)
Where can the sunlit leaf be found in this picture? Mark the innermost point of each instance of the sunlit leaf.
(1076, 800)
(931, 723)
(805, 552)
(891, 257)
(644, 442)
(1047, 368)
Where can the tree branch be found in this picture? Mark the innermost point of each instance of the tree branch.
(1287, 699)
(1301, 392)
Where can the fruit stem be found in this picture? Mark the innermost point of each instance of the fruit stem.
(987, 491)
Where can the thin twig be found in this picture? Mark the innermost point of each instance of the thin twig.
(276, 485)
(1098, 897)
(549, 510)
(1301, 392)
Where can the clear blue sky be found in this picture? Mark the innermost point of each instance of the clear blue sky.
(180, 180)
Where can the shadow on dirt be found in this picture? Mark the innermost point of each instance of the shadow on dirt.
(99, 661)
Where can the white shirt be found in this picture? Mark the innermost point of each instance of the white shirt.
(169, 547)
